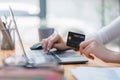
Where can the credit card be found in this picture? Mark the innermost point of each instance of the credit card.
(74, 39)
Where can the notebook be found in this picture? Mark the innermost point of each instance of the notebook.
(62, 57)
(96, 73)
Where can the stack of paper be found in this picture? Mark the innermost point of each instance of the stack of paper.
(96, 73)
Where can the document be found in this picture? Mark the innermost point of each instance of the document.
(96, 73)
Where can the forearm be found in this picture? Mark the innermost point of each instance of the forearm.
(107, 33)
(113, 57)
(116, 57)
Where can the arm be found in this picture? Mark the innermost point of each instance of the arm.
(93, 47)
(107, 33)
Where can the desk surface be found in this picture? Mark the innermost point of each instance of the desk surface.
(67, 67)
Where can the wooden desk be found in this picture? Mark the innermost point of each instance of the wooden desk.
(67, 68)
(20, 73)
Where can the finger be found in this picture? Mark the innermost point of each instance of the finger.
(87, 52)
(84, 44)
(84, 52)
(89, 55)
(45, 41)
(50, 43)
(44, 44)
(85, 49)
(52, 40)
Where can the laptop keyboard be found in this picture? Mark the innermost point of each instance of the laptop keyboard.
(67, 54)
(38, 55)
(35, 53)
(32, 55)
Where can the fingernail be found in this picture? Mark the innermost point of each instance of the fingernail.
(48, 48)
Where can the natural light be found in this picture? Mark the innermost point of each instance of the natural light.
(30, 9)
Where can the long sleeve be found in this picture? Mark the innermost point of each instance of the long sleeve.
(107, 33)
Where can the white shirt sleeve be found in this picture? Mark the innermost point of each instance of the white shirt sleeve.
(107, 33)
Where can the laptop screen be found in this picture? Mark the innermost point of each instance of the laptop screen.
(17, 31)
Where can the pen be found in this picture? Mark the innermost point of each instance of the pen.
(6, 35)
(6, 19)
(9, 24)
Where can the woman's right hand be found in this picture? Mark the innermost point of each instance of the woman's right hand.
(53, 41)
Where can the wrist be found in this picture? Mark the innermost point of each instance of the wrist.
(114, 57)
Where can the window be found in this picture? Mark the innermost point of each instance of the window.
(27, 16)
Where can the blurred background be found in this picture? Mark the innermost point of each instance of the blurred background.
(84, 16)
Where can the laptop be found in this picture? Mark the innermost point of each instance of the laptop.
(38, 56)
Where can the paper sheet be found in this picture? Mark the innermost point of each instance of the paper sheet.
(96, 73)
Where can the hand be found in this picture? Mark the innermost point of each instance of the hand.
(94, 47)
(53, 41)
